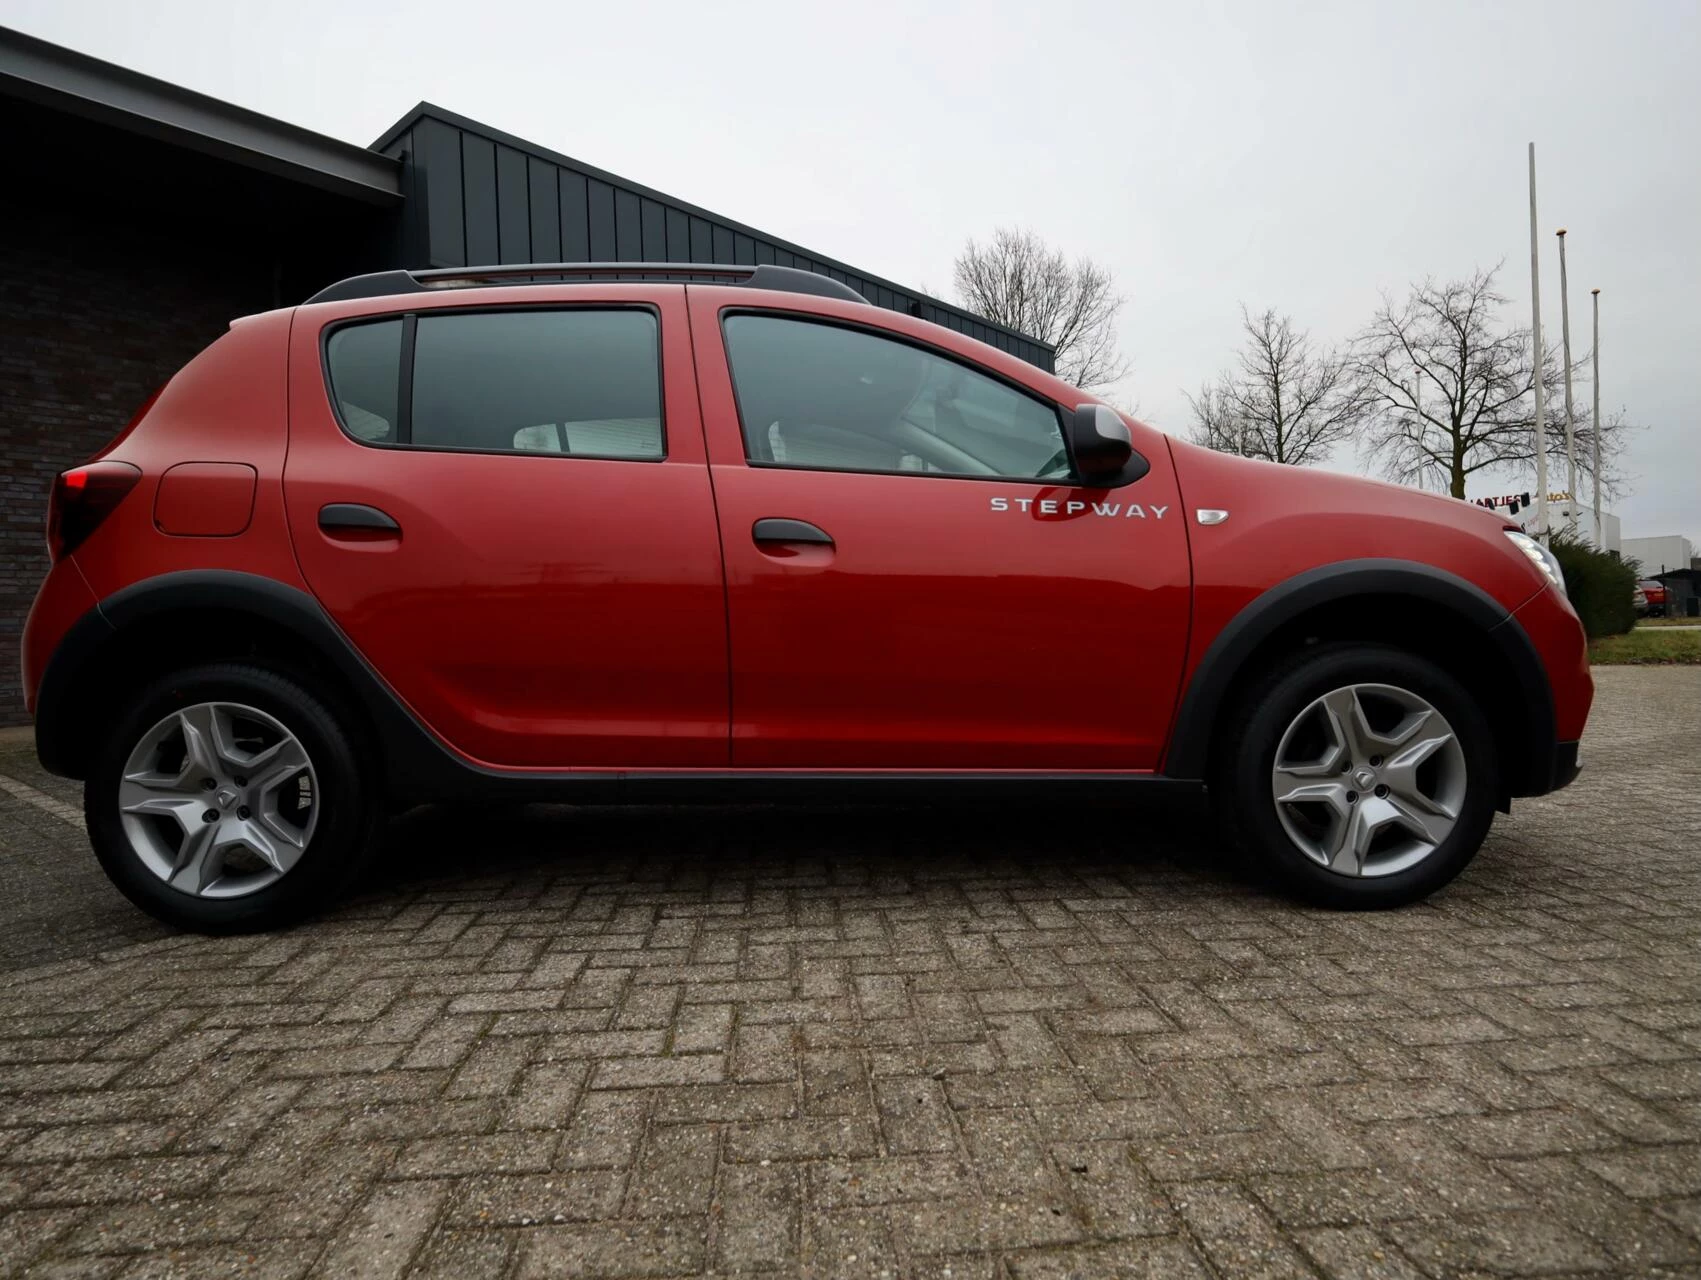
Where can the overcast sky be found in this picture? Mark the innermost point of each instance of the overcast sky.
(1297, 156)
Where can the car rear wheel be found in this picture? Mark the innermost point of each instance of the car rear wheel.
(228, 799)
(1362, 775)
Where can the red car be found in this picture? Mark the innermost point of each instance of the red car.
(449, 535)
(1654, 597)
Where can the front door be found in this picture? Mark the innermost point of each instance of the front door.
(507, 510)
(914, 579)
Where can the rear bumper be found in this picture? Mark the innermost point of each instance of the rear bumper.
(62, 599)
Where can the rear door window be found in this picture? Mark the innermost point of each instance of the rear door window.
(582, 382)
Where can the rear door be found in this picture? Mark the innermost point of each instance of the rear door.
(915, 581)
(506, 507)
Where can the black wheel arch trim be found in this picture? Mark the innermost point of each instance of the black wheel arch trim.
(88, 645)
(1201, 702)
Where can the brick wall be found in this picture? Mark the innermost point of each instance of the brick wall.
(95, 314)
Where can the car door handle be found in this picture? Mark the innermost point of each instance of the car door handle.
(774, 529)
(355, 517)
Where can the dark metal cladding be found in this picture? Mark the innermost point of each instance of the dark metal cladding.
(473, 211)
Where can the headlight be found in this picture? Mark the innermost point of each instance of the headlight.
(1539, 555)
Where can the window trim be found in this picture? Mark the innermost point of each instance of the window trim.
(877, 331)
(405, 368)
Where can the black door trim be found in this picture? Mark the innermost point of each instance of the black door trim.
(356, 515)
(777, 529)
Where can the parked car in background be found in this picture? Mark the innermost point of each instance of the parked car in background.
(516, 533)
(1655, 598)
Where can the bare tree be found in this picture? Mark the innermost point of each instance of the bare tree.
(1453, 393)
(1020, 281)
(1284, 401)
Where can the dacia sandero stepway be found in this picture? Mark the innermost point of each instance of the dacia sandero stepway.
(681, 533)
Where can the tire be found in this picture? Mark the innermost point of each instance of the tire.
(1396, 865)
(333, 813)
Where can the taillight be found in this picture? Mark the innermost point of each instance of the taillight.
(83, 497)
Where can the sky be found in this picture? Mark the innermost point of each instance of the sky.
(1304, 157)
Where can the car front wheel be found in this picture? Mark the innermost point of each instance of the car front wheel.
(1363, 776)
(228, 799)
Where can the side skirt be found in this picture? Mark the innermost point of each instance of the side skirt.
(815, 788)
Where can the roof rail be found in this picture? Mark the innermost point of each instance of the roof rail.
(382, 284)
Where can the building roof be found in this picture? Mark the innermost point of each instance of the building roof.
(472, 165)
(73, 82)
(468, 193)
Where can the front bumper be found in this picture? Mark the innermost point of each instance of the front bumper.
(1567, 764)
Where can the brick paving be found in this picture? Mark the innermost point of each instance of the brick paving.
(901, 1043)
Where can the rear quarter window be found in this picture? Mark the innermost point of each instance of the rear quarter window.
(365, 363)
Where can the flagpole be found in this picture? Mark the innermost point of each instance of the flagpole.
(1570, 436)
(1536, 339)
(1595, 377)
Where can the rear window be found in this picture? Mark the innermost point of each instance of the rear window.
(579, 382)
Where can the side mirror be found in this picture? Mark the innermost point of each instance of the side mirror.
(1102, 448)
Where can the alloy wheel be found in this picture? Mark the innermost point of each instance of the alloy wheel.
(219, 800)
(1368, 780)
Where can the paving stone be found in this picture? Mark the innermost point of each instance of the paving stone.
(840, 1042)
(605, 1132)
(833, 1083)
(534, 1199)
(1355, 1253)
(451, 1254)
(758, 1208)
(475, 1153)
(803, 1138)
(703, 1028)
(404, 1121)
(1113, 1195)
(490, 1070)
(385, 1232)
(721, 1102)
(1630, 1231)
(262, 1262)
(673, 1248)
(1516, 1243)
(153, 1225)
(914, 1115)
(636, 1073)
(847, 1243)
(1528, 1133)
(1132, 1259)
(676, 1173)
(836, 1183)
(544, 1095)
(981, 1224)
(25, 1234)
(85, 1141)
(1220, 1155)
(1344, 1198)
(1652, 1171)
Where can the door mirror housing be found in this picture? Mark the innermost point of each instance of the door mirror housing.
(1103, 448)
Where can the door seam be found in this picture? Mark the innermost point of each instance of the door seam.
(714, 502)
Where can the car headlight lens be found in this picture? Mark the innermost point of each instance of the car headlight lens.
(1540, 556)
